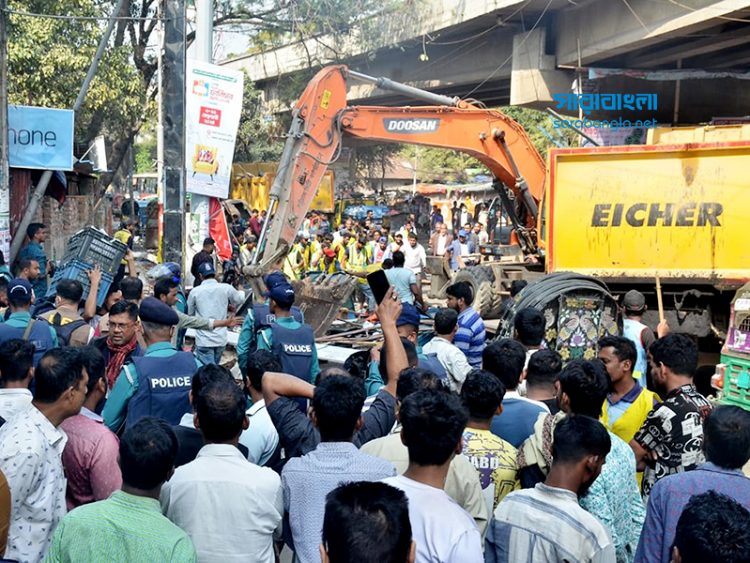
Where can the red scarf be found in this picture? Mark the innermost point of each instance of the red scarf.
(117, 357)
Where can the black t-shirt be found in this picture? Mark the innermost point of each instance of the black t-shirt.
(189, 443)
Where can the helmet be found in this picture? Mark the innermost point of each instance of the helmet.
(167, 269)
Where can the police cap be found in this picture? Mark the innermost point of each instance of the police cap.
(156, 311)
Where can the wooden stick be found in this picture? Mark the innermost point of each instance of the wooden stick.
(659, 299)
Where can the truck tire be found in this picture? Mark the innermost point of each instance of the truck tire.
(481, 287)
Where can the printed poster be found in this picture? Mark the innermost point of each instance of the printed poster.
(212, 116)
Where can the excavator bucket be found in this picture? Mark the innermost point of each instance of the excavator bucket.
(321, 298)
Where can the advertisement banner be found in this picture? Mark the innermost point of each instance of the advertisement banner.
(40, 138)
(212, 116)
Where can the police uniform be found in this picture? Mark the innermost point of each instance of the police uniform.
(39, 333)
(155, 384)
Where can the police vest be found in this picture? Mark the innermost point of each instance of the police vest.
(632, 331)
(264, 318)
(294, 348)
(39, 335)
(431, 363)
(163, 387)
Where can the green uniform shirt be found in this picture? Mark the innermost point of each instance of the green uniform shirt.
(265, 342)
(21, 319)
(122, 529)
(123, 390)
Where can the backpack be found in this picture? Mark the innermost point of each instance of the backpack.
(65, 331)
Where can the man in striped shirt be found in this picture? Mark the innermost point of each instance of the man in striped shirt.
(546, 524)
(470, 336)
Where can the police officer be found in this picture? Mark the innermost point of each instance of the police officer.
(261, 318)
(21, 325)
(289, 340)
(158, 383)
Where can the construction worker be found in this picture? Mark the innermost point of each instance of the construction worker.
(341, 246)
(21, 325)
(329, 264)
(158, 383)
(356, 265)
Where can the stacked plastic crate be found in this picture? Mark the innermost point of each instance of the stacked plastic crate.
(86, 248)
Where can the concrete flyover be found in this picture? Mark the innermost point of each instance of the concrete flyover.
(521, 52)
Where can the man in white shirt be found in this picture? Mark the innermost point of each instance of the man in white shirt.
(211, 300)
(432, 429)
(453, 360)
(231, 509)
(546, 524)
(31, 447)
(416, 258)
(16, 373)
(261, 438)
(440, 240)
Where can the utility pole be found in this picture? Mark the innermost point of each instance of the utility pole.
(41, 187)
(173, 121)
(4, 170)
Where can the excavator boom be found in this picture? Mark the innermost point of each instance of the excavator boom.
(321, 118)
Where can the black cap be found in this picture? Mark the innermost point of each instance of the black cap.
(156, 311)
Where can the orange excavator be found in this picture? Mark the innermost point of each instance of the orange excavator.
(321, 118)
(320, 121)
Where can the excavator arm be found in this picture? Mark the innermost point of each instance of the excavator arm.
(321, 118)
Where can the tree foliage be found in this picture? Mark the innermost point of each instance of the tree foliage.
(259, 135)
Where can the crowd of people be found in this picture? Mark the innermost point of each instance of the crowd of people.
(117, 443)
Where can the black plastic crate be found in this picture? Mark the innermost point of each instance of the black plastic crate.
(93, 246)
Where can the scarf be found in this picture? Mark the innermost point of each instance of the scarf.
(537, 449)
(117, 357)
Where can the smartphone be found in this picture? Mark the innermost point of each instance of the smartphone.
(378, 282)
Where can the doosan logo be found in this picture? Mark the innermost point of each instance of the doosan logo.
(411, 125)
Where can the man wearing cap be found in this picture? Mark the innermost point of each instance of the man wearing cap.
(21, 325)
(259, 318)
(634, 306)
(289, 340)
(458, 249)
(329, 264)
(380, 250)
(398, 243)
(211, 300)
(205, 256)
(157, 383)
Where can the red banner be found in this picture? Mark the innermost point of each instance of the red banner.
(218, 229)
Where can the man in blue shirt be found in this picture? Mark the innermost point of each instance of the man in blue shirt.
(505, 358)
(37, 233)
(726, 443)
(470, 336)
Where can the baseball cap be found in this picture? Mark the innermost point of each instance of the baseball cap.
(206, 269)
(399, 235)
(382, 239)
(409, 315)
(303, 234)
(282, 293)
(273, 279)
(20, 290)
(462, 233)
(634, 300)
(329, 252)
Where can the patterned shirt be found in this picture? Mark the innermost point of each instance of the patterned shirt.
(495, 460)
(30, 451)
(674, 430)
(615, 500)
(669, 497)
(13, 400)
(546, 524)
(470, 336)
(122, 529)
(308, 479)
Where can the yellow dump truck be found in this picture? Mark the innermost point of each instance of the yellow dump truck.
(251, 182)
(627, 214)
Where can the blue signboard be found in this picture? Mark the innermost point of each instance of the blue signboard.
(40, 138)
